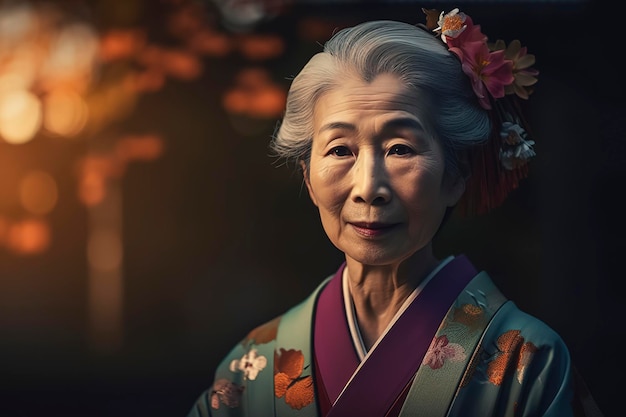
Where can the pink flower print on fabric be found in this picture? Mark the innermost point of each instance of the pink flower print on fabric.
(250, 364)
(225, 392)
(441, 350)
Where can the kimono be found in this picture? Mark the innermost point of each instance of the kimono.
(456, 348)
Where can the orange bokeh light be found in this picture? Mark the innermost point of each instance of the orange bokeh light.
(71, 57)
(150, 80)
(20, 70)
(258, 47)
(255, 95)
(177, 63)
(38, 192)
(144, 148)
(209, 42)
(94, 172)
(4, 229)
(65, 113)
(92, 189)
(186, 20)
(104, 250)
(28, 236)
(20, 116)
(119, 44)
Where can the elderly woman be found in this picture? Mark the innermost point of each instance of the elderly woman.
(390, 124)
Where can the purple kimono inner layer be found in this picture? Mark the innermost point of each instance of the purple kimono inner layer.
(397, 357)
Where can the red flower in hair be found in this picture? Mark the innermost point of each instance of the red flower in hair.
(525, 76)
(471, 33)
(489, 71)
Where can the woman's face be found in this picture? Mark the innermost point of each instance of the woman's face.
(375, 175)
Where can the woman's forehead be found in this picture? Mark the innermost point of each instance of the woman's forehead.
(353, 100)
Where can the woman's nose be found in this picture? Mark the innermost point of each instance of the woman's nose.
(370, 180)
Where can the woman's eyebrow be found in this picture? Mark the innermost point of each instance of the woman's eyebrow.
(403, 122)
(337, 125)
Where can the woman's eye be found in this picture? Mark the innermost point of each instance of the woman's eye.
(340, 151)
(400, 150)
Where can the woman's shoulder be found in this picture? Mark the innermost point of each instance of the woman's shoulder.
(521, 364)
(507, 319)
(249, 365)
(519, 324)
(482, 300)
(263, 337)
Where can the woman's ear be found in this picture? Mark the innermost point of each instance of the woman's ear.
(306, 177)
(454, 187)
(455, 180)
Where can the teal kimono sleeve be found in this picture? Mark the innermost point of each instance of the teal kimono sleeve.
(201, 407)
(226, 394)
(243, 384)
(521, 369)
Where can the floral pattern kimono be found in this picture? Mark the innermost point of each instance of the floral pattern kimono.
(459, 348)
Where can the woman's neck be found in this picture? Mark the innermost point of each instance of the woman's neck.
(378, 292)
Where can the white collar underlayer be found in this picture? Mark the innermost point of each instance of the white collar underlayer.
(348, 303)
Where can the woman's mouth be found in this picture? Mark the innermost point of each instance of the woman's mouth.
(371, 230)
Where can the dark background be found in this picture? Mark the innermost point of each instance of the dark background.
(218, 239)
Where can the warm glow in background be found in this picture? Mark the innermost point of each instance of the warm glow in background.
(144, 229)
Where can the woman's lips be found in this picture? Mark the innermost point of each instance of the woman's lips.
(372, 229)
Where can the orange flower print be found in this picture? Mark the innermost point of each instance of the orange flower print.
(265, 333)
(225, 392)
(288, 380)
(469, 315)
(513, 355)
(526, 355)
(441, 350)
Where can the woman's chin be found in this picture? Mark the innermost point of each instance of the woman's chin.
(372, 258)
(373, 255)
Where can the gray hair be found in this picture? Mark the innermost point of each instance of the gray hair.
(417, 57)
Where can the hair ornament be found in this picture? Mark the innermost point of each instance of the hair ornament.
(516, 149)
(500, 76)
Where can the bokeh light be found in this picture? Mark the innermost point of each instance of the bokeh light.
(38, 192)
(16, 20)
(20, 116)
(20, 71)
(261, 47)
(94, 170)
(210, 42)
(65, 113)
(47, 60)
(117, 44)
(255, 95)
(91, 188)
(4, 229)
(71, 58)
(176, 63)
(104, 250)
(139, 148)
(28, 236)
